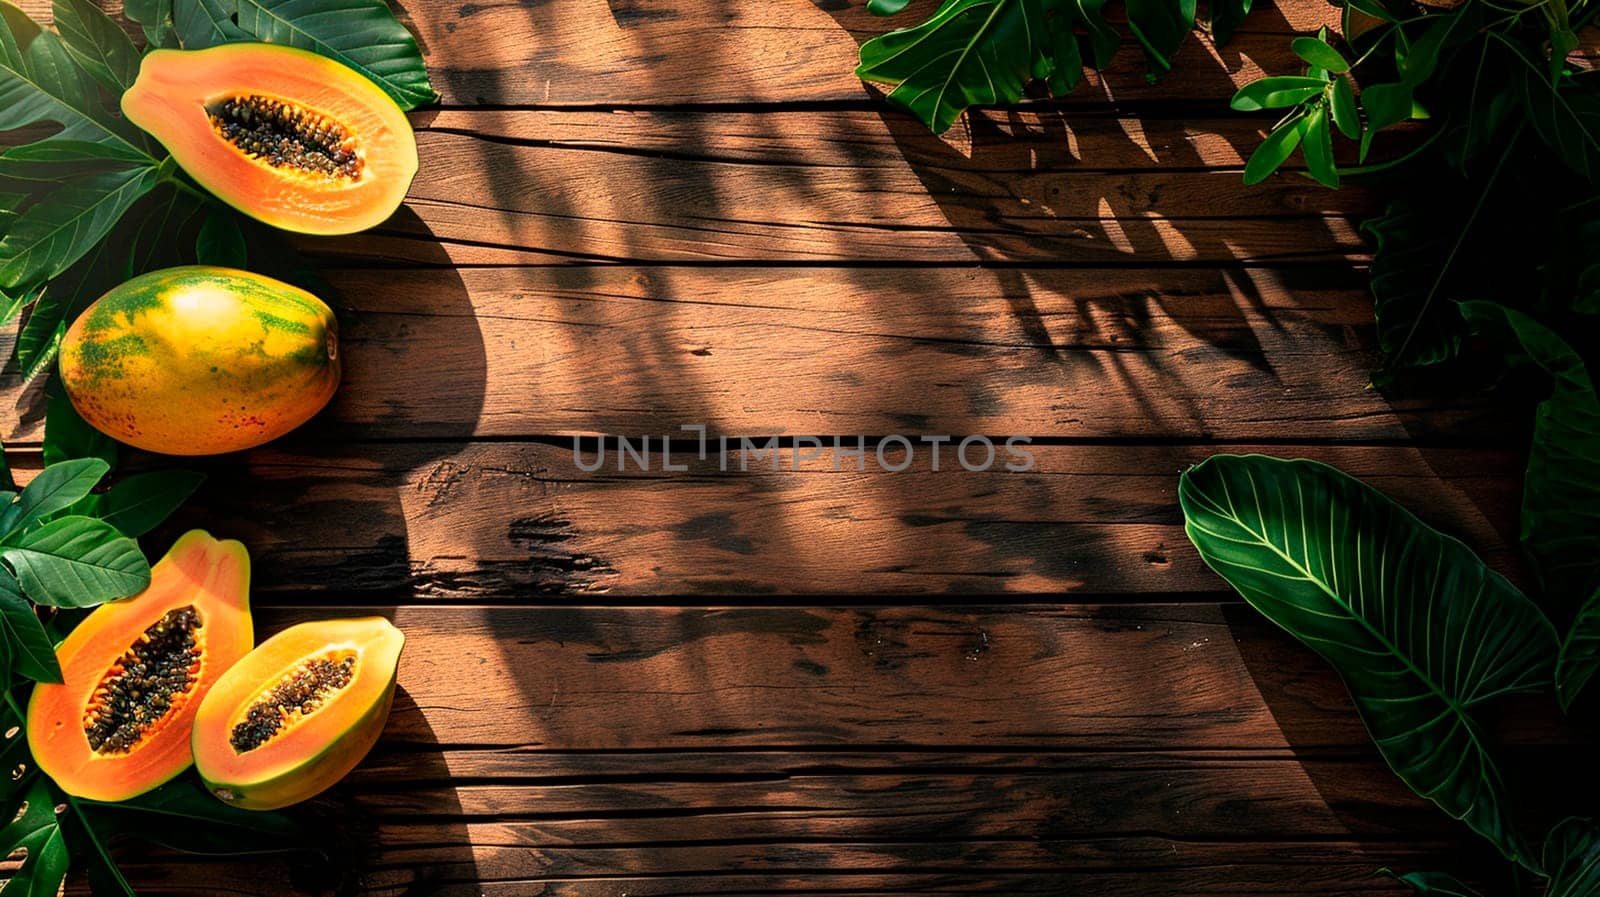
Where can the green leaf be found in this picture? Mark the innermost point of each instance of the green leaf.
(27, 647)
(1276, 149)
(99, 44)
(1440, 883)
(1580, 653)
(1572, 858)
(1160, 27)
(41, 82)
(184, 815)
(886, 7)
(1386, 105)
(1419, 628)
(1319, 147)
(155, 16)
(221, 242)
(76, 562)
(65, 225)
(206, 23)
(56, 488)
(1319, 53)
(1342, 103)
(970, 53)
(67, 435)
(362, 34)
(1566, 115)
(1279, 92)
(1226, 17)
(1413, 242)
(137, 504)
(1561, 490)
(36, 831)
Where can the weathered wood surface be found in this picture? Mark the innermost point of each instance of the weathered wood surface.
(675, 751)
(636, 215)
(501, 521)
(1142, 353)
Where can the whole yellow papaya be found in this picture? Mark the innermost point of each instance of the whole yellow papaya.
(201, 360)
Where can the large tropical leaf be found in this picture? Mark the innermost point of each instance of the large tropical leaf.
(25, 645)
(136, 505)
(1441, 884)
(1410, 283)
(99, 44)
(1565, 113)
(184, 815)
(64, 225)
(40, 81)
(76, 562)
(1421, 631)
(1572, 859)
(1561, 491)
(56, 488)
(362, 34)
(970, 53)
(34, 828)
(155, 18)
(1580, 653)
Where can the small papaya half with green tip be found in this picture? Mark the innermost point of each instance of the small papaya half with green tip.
(287, 136)
(298, 713)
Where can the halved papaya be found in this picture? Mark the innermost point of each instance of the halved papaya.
(298, 713)
(287, 136)
(136, 671)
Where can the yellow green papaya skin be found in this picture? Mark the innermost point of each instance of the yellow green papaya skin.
(201, 360)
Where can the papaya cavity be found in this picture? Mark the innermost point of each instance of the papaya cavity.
(298, 713)
(298, 695)
(152, 679)
(287, 136)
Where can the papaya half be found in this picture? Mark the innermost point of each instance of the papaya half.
(201, 360)
(287, 136)
(135, 673)
(298, 713)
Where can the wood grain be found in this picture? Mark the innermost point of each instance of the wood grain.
(534, 187)
(913, 750)
(512, 522)
(1193, 354)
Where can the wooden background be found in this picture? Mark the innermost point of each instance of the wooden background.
(634, 215)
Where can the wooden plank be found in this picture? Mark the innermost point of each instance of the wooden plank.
(498, 522)
(1276, 870)
(915, 750)
(515, 187)
(668, 51)
(665, 52)
(1083, 679)
(673, 797)
(1191, 354)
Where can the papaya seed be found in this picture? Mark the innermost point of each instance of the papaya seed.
(155, 674)
(296, 696)
(287, 136)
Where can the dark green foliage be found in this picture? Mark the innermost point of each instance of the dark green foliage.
(986, 52)
(1423, 633)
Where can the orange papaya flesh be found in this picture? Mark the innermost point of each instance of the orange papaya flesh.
(136, 671)
(297, 714)
(287, 136)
